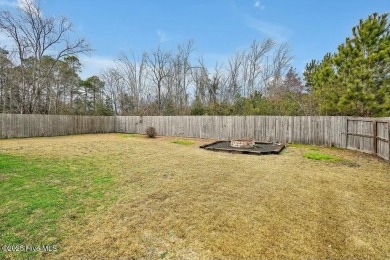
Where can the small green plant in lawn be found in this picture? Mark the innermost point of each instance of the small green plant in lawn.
(151, 132)
(320, 156)
(326, 157)
(183, 142)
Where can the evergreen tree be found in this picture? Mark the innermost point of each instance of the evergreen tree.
(355, 80)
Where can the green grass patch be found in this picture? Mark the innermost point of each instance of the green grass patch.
(183, 142)
(102, 179)
(321, 157)
(131, 135)
(37, 194)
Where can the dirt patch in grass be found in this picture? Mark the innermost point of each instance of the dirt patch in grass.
(184, 202)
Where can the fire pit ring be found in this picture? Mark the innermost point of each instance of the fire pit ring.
(258, 148)
(242, 143)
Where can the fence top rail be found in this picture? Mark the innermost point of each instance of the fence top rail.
(362, 119)
(379, 120)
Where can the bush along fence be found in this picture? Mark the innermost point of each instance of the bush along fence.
(370, 135)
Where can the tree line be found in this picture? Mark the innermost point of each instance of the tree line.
(40, 74)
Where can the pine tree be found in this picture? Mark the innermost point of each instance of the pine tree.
(355, 80)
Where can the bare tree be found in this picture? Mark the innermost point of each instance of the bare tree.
(217, 82)
(113, 84)
(294, 90)
(235, 86)
(158, 62)
(181, 73)
(247, 70)
(133, 74)
(255, 65)
(35, 36)
(280, 64)
(200, 77)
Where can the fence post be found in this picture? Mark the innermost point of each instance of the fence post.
(375, 135)
(388, 137)
(346, 133)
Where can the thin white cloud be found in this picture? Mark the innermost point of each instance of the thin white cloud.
(8, 3)
(28, 5)
(22, 4)
(276, 32)
(259, 5)
(162, 36)
(95, 65)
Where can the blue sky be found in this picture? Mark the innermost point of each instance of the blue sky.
(218, 27)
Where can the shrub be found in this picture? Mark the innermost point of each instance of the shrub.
(151, 132)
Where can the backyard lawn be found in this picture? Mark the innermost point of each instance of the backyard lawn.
(119, 195)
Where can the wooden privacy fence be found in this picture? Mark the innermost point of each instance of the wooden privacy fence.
(370, 135)
(329, 131)
(16, 126)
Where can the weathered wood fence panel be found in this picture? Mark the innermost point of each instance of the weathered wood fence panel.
(370, 135)
(360, 135)
(383, 140)
(18, 126)
(344, 132)
(330, 131)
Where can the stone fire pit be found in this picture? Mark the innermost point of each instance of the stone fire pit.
(245, 146)
(242, 143)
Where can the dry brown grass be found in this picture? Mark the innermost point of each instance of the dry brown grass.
(183, 202)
